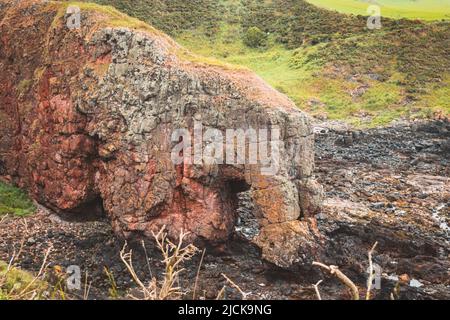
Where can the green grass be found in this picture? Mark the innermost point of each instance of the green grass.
(14, 201)
(115, 18)
(18, 284)
(170, 16)
(437, 98)
(411, 9)
(304, 73)
(317, 57)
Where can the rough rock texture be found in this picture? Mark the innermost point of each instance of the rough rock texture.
(87, 117)
(391, 185)
(373, 194)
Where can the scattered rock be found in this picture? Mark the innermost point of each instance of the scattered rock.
(415, 283)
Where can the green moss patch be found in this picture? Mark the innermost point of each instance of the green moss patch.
(15, 201)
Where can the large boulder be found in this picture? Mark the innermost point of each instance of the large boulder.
(89, 115)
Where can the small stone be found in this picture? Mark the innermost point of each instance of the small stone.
(415, 283)
(404, 278)
(377, 205)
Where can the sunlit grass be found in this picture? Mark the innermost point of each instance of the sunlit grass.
(114, 17)
(14, 201)
(306, 74)
(299, 75)
(417, 9)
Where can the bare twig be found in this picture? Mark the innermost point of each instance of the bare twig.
(198, 274)
(25, 225)
(173, 256)
(316, 288)
(22, 244)
(243, 294)
(11, 261)
(371, 276)
(334, 270)
(44, 266)
(320, 264)
(127, 259)
(147, 259)
(87, 288)
(221, 293)
(3, 218)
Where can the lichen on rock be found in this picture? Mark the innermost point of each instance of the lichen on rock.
(97, 124)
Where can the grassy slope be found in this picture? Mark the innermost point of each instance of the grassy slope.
(327, 62)
(412, 9)
(171, 16)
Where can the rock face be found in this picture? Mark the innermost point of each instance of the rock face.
(87, 118)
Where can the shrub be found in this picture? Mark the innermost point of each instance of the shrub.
(174, 254)
(255, 38)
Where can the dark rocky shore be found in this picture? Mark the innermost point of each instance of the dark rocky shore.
(390, 185)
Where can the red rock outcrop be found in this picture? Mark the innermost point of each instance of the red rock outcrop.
(88, 114)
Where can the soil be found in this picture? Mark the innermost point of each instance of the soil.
(387, 185)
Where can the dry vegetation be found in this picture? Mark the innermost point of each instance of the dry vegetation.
(353, 288)
(174, 255)
(49, 283)
(16, 284)
(166, 287)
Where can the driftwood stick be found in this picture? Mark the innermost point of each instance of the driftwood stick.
(370, 278)
(334, 270)
(316, 288)
(243, 294)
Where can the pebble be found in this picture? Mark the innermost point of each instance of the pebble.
(415, 283)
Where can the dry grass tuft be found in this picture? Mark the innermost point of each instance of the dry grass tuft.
(174, 255)
(16, 284)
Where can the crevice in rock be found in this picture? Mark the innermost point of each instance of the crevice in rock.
(2, 167)
(246, 225)
(91, 210)
(237, 186)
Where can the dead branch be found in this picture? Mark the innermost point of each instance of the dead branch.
(3, 218)
(371, 276)
(221, 293)
(173, 256)
(243, 294)
(316, 288)
(334, 270)
(198, 274)
(87, 288)
(147, 259)
(127, 259)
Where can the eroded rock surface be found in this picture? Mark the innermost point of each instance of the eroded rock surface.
(88, 115)
(391, 186)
